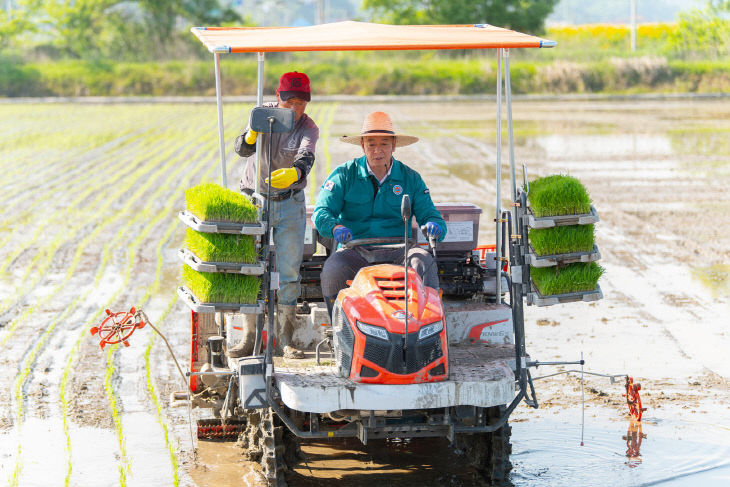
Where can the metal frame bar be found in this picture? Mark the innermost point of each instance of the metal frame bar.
(498, 212)
(259, 102)
(219, 104)
(508, 93)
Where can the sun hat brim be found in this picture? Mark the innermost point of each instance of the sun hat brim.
(400, 140)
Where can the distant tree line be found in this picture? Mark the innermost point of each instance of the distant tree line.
(108, 29)
(522, 15)
(151, 30)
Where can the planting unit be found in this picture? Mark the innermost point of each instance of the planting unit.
(459, 370)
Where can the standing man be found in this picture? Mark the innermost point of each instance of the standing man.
(362, 199)
(292, 157)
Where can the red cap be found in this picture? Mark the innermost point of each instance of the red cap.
(293, 85)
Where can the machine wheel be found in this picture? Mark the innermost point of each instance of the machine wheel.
(267, 441)
(489, 452)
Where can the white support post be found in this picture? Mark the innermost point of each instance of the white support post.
(513, 180)
(498, 210)
(259, 102)
(219, 103)
(633, 25)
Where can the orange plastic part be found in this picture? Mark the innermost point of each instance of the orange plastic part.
(483, 249)
(367, 302)
(362, 36)
(633, 398)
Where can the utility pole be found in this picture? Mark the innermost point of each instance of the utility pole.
(320, 12)
(633, 25)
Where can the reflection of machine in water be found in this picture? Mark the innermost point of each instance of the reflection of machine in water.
(633, 443)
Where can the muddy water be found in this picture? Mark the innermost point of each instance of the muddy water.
(654, 452)
(410, 462)
(657, 173)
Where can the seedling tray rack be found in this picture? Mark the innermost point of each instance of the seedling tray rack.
(208, 226)
(199, 265)
(199, 307)
(554, 259)
(534, 296)
(560, 220)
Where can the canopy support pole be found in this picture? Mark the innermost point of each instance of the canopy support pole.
(508, 94)
(219, 103)
(259, 102)
(498, 210)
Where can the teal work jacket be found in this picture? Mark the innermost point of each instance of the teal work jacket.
(348, 198)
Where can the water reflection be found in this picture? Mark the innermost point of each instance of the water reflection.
(605, 146)
(547, 453)
(633, 439)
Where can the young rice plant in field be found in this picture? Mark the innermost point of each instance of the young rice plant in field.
(568, 279)
(211, 202)
(558, 195)
(221, 247)
(562, 240)
(211, 287)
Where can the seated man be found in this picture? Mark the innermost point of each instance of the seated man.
(362, 199)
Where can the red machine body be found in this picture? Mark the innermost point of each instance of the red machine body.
(369, 326)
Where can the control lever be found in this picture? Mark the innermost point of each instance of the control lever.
(431, 241)
(405, 213)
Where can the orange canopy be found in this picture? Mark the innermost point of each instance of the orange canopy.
(363, 36)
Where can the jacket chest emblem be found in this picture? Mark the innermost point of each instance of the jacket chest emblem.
(397, 189)
(291, 143)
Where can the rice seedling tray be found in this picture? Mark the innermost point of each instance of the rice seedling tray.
(534, 297)
(552, 260)
(199, 265)
(208, 226)
(194, 304)
(559, 220)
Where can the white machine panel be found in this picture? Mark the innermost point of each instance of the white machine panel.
(476, 378)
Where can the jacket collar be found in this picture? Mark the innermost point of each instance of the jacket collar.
(396, 171)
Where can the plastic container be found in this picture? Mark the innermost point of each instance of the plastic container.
(251, 383)
(462, 223)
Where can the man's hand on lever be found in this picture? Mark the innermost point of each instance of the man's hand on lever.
(433, 230)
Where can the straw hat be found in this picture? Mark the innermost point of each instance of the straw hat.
(379, 123)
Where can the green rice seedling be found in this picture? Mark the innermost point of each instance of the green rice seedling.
(221, 247)
(211, 287)
(562, 240)
(569, 279)
(211, 202)
(558, 195)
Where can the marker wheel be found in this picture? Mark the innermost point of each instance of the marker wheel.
(117, 327)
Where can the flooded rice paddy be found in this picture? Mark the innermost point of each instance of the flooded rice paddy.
(89, 223)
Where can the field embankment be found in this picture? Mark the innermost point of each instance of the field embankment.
(588, 59)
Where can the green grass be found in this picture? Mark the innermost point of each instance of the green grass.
(568, 279)
(562, 240)
(211, 287)
(211, 202)
(558, 195)
(221, 247)
(561, 70)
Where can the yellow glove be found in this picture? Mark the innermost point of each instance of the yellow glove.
(283, 178)
(251, 137)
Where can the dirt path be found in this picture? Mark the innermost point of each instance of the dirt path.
(91, 225)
